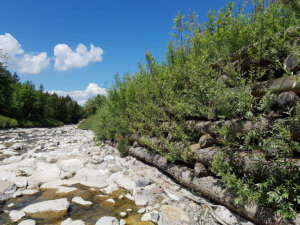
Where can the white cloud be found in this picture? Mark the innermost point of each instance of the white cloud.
(19, 61)
(82, 96)
(66, 58)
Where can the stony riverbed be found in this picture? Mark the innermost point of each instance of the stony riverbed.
(59, 176)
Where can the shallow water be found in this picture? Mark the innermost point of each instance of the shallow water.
(89, 215)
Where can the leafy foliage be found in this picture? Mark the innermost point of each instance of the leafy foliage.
(208, 74)
(32, 107)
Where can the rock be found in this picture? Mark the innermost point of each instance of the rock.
(17, 146)
(287, 99)
(140, 200)
(291, 62)
(30, 192)
(80, 201)
(200, 170)
(141, 211)
(107, 220)
(124, 182)
(146, 217)
(110, 200)
(102, 166)
(129, 196)
(123, 214)
(27, 222)
(206, 141)
(65, 190)
(195, 147)
(7, 187)
(122, 222)
(46, 172)
(120, 197)
(115, 169)
(111, 188)
(16, 215)
(173, 215)
(91, 177)
(70, 165)
(143, 181)
(11, 205)
(154, 216)
(48, 209)
(69, 221)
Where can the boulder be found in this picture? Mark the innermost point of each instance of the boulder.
(200, 170)
(69, 221)
(143, 182)
(80, 201)
(27, 222)
(206, 141)
(70, 165)
(173, 215)
(107, 220)
(140, 200)
(287, 99)
(50, 209)
(16, 215)
(46, 172)
(291, 62)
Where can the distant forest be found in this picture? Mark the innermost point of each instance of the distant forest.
(22, 105)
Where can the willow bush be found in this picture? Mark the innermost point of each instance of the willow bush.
(208, 74)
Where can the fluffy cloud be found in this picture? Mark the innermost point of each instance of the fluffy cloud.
(66, 58)
(19, 61)
(82, 96)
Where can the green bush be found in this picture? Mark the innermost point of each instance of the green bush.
(208, 74)
(6, 122)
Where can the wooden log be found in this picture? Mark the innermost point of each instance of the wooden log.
(277, 86)
(211, 188)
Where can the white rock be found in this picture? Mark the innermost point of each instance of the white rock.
(122, 222)
(107, 220)
(46, 172)
(124, 182)
(140, 200)
(65, 190)
(80, 201)
(16, 215)
(141, 211)
(27, 222)
(129, 196)
(111, 188)
(110, 200)
(70, 165)
(11, 205)
(123, 214)
(30, 192)
(146, 217)
(58, 207)
(69, 221)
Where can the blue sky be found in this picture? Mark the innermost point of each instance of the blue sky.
(123, 30)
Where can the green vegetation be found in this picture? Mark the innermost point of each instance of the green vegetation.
(208, 74)
(7, 122)
(30, 107)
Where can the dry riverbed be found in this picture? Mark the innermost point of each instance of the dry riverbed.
(60, 176)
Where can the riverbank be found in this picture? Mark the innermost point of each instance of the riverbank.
(53, 174)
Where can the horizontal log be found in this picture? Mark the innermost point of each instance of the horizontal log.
(277, 86)
(211, 188)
